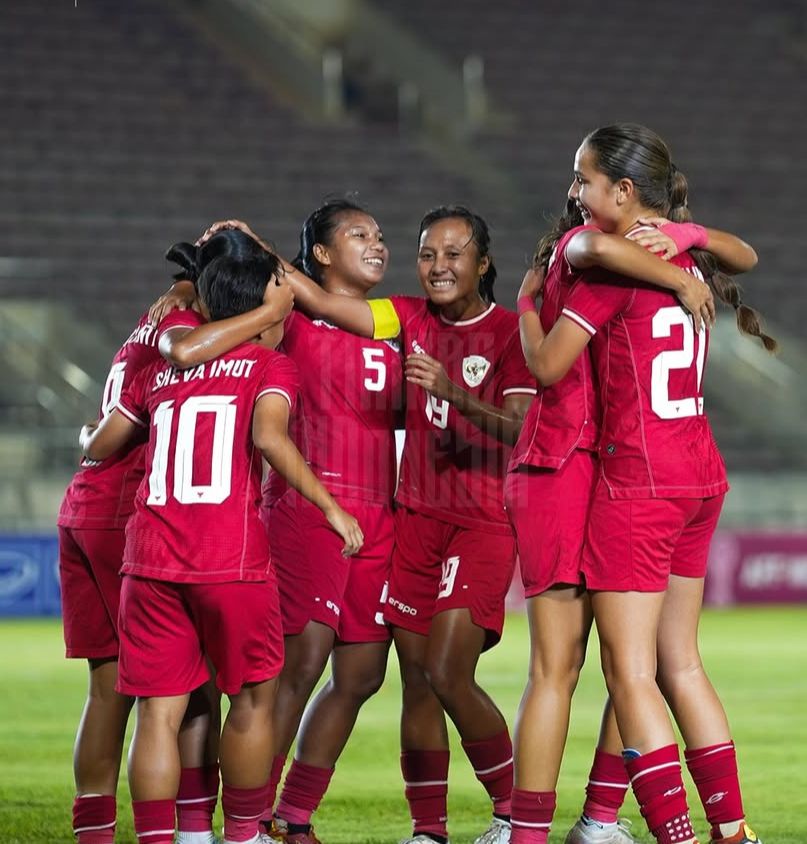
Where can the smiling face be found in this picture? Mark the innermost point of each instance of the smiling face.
(449, 266)
(356, 255)
(597, 197)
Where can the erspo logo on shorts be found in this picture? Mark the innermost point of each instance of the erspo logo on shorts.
(333, 608)
(401, 606)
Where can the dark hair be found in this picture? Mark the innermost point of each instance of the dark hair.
(480, 235)
(568, 219)
(632, 151)
(228, 242)
(229, 286)
(319, 227)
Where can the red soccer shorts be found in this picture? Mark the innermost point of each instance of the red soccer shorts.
(316, 583)
(167, 630)
(437, 566)
(548, 509)
(89, 562)
(633, 545)
(691, 554)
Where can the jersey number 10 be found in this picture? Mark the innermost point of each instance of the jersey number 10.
(185, 491)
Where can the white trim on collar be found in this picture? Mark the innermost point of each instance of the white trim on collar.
(472, 320)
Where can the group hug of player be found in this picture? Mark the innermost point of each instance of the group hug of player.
(571, 433)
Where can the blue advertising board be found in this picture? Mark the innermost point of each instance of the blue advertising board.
(29, 576)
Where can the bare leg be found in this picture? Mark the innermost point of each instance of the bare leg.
(454, 646)
(560, 621)
(357, 672)
(423, 723)
(199, 732)
(628, 623)
(100, 735)
(154, 753)
(610, 741)
(681, 677)
(305, 660)
(246, 740)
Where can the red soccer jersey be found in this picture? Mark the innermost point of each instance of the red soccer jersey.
(350, 397)
(451, 469)
(196, 512)
(656, 441)
(565, 415)
(101, 495)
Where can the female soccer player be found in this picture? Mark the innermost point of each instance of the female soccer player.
(197, 578)
(660, 486)
(548, 491)
(91, 521)
(351, 393)
(467, 391)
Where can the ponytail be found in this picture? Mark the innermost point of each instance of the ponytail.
(723, 285)
(231, 243)
(184, 255)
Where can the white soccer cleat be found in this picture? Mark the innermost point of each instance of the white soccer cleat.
(421, 838)
(497, 833)
(588, 831)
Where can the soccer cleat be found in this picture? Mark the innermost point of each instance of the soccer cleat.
(497, 833)
(301, 837)
(420, 838)
(276, 834)
(589, 831)
(746, 835)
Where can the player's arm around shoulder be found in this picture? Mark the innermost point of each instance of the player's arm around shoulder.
(100, 440)
(549, 355)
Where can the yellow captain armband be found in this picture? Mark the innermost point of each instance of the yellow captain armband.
(386, 324)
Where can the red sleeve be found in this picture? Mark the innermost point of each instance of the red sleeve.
(591, 304)
(132, 401)
(280, 376)
(515, 376)
(407, 306)
(179, 319)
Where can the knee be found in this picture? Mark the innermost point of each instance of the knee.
(361, 687)
(680, 673)
(103, 678)
(620, 677)
(445, 680)
(158, 713)
(299, 678)
(562, 671)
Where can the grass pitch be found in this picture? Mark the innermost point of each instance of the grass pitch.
(757, 659)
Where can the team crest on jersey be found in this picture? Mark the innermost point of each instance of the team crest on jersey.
(474, 369)
(322, 324)
(394, 345)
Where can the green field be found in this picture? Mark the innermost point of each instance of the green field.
(757, 658)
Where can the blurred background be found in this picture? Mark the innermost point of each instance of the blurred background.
(129, 126)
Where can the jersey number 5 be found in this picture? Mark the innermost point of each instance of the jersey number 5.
(663, 406)
(374, 363)
(221, 451)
